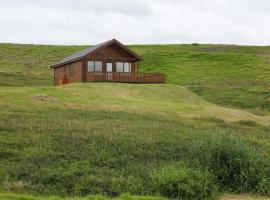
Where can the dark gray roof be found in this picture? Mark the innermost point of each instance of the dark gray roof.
(80, 54)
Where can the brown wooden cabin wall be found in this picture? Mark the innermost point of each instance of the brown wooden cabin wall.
(68, 73)
(113, 54)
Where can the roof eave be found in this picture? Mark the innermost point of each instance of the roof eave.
(104, 45)
(63, 63)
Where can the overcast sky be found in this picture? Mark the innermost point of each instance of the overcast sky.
(135, 21)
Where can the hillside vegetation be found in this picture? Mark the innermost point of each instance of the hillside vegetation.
(122, 197)
(204, 133)
(7, 196)
(98, 138)
(234, 76)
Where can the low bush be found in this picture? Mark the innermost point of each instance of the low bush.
(178, 181)
(236, 165)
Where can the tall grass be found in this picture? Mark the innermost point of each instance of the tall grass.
(177, 181)
(236, 165)
(106, 139)
(9, 196)
(74, 152)
(65, 145)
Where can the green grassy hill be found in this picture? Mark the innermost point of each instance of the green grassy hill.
(7, 196)
(110, 139)
(81, 139)
(234, 76)
(123, 197)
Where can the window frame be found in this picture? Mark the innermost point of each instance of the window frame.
(97, 61)
(129, 67)
(94, 66)
(124, 67)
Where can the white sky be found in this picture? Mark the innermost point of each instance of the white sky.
(135, 21)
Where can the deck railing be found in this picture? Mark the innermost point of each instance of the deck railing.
(126, 77)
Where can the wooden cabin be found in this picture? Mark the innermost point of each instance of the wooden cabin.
(110, 61)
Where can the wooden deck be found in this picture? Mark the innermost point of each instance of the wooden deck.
(123, 77)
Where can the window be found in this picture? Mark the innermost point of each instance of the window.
(91, 66)
(119, 67)
(127, 67)
(123, 67)
(98, 66)
(94, 66)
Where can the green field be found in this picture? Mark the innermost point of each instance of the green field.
(109, 139)
(122, 197)
(7, 196)
(232, 76)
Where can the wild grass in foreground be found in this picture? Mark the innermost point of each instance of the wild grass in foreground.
(243, 197)
(71, 141)
(10, 196)
(89, 197)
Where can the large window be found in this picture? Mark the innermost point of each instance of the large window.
(127, 67)
(123, 67)
(98, 66)
(94, 66)
(91, 66)
(119, 67)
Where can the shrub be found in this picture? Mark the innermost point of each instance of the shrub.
(178, 181)
(235, 164)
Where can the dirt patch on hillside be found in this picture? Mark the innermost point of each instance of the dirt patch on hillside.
(45, 98)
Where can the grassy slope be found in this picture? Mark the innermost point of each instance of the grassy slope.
(123, 197)
(243, 197)
(92, 197)
(227, 75)
(70, 139)
(131, 129)
(234, 76)
(166, 99)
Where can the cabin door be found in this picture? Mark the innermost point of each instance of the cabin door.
(109, 71)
